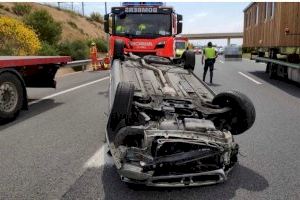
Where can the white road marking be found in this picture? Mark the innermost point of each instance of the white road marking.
(100, 158)
(251, 79)
(68, 90)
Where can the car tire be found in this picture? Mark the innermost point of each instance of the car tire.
(119, 50)
(189, 60)
(242, 114)
(121, 109)
(11, 90)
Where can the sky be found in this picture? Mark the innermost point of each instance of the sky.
(198, 17)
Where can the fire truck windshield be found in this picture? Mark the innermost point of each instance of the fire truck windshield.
(143, 25)
(180, 45)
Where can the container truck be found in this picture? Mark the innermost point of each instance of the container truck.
(272, 30)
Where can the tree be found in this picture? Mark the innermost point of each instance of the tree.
(47, 29)
(17, 39)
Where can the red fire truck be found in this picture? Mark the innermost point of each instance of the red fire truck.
(146, 28)
(19, 72)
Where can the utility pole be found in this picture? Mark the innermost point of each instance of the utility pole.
(82, 7)
(105, 4)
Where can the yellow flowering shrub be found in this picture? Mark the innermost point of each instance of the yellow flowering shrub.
(16, 38)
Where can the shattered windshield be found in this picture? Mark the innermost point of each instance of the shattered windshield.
(143, 25)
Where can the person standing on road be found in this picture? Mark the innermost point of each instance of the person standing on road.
(93, 56)
(210, 55)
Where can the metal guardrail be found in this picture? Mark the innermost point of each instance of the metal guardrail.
(279, 62)
(78, 63)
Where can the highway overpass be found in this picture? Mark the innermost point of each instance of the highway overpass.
(202, 36)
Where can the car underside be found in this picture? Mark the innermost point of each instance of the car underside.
(166, 127)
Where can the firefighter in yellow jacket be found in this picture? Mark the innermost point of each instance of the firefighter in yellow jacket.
(210, 55)
(93, 56)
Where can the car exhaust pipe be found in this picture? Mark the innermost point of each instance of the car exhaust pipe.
(167, 90)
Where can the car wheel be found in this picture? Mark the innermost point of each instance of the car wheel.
(189, 60)
(11, 96)
(121, 109)
(119, 50)
(242, 114)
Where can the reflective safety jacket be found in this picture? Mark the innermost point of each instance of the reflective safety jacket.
(120, 29)
(210, 53)
(93, 50)
(142, 27)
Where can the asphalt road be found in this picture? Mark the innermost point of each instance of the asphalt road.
(56, 149)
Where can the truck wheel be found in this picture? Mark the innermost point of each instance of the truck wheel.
(261, 54)
(267, 68)
(272, 71)
(11, 96)
(121, 109)
(119, 50)
(189, 59)
(242, 115)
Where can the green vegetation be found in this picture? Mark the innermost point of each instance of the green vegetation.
(77, 49)
(101, 44)
(47, 29)
(47, 34)
(16, 38)
(48, 50)
(97, 17)
(21, 9)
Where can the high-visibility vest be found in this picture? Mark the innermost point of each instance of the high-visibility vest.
(93, 49)
(142, 27)
(210, 53)
(120, 29)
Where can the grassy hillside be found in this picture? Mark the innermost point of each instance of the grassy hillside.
(75, 26)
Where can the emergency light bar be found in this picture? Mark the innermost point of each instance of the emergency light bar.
(142, 4)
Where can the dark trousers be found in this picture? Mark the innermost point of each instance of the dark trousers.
(209, 63)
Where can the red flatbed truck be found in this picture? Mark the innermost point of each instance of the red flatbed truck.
(19, 72)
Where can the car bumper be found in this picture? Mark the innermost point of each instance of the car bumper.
(184, 180)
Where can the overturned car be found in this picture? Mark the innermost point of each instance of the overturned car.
(167, 128)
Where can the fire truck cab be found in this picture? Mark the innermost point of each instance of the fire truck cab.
(142, 28)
